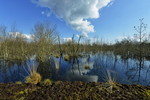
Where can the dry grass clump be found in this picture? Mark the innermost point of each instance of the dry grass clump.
(66, 58)
(33, 78)
(110, 78)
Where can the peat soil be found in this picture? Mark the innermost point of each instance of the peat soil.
(73, 91)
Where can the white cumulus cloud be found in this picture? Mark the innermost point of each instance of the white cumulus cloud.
(76, 12)
(67, 39)
(19, 34)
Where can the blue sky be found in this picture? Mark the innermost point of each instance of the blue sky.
(115, 21)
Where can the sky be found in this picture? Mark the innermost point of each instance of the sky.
(107, 19)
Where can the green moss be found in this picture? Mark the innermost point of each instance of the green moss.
(18, 82)
(47, 82)
(147, 92)
(22, 98)
(58, 82)
(26, 91)
(21, 92)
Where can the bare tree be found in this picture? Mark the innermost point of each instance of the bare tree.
(141, 29)
(44, 32)
(4, 48)
(3, 31)
(141, 38)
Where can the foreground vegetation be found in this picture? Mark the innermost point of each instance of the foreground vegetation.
(73, 91)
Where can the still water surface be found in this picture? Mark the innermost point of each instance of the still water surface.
(89, 68)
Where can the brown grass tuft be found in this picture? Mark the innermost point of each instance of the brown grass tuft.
(33, 78)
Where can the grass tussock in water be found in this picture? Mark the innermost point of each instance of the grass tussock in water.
(33, 78)
(66, 58)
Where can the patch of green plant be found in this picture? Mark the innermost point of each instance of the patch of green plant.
(18, 82)
(58, 82)
(47, 82)
(22, 92)
(22, 98)
(147, 92)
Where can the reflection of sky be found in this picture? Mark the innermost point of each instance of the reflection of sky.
(12, 74)
(77, 71)
(127, 70)
(16, 72)
(83, 62)
(126, 73)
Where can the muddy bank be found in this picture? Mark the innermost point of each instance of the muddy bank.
(73, 91)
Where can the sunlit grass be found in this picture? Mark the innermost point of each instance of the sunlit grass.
(33, 76)
(47, 82)
(18, 82)
(110, 77)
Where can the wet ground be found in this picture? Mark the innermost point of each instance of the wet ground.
(73, 90)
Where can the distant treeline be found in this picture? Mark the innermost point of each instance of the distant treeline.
(46, 41)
